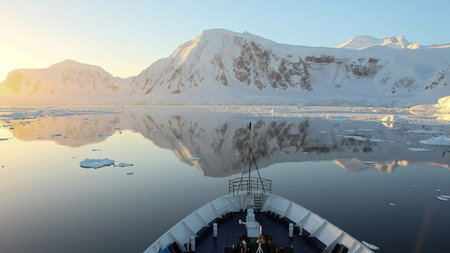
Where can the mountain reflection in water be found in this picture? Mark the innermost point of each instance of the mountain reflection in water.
(220, 139)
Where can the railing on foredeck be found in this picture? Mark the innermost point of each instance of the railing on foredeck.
(249, 185)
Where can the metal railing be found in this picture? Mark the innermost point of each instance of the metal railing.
(249, 185)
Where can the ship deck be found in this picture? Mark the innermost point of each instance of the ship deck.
(230, 232)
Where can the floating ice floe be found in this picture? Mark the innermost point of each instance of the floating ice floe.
(370, 246)
(323, 132)
(369, 162)
(419, 149)
(442, 140)
(104, 135)
(194, 159)
(443, 197)
(96, 163)
(392, 204)
(125, 164)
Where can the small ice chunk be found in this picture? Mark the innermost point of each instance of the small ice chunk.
(445, 196)
(442, 140)
(96, 163)
(56, 135)
(369, 162)
(125, 164)
(414, 186)
(95, 149)
(392, 204)
(113, 121)
(441, 198)
(370, 246)
(419, 149)
(194, 159)
(324, 132)
(438, 190)
(104, 135)
(129, 173)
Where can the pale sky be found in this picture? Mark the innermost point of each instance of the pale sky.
(124, 37)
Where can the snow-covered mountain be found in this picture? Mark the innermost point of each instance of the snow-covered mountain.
(225, 67)
(399, 42)
(67, 82)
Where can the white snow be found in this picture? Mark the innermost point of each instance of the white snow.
(370, 246)
(124, 164)
(419, 149)
(96, 163)
(442, 140)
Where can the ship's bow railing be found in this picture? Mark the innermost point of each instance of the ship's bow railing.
(249, 185)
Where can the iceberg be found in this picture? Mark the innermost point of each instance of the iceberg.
(392, 118)
(96, 163)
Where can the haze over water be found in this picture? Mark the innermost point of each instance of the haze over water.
(376, 181)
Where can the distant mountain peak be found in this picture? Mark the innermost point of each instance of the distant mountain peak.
(363, 42)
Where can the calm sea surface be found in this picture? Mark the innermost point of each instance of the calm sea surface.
(376, 181)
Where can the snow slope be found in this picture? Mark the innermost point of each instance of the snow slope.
(67, 82)
(224, 67)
